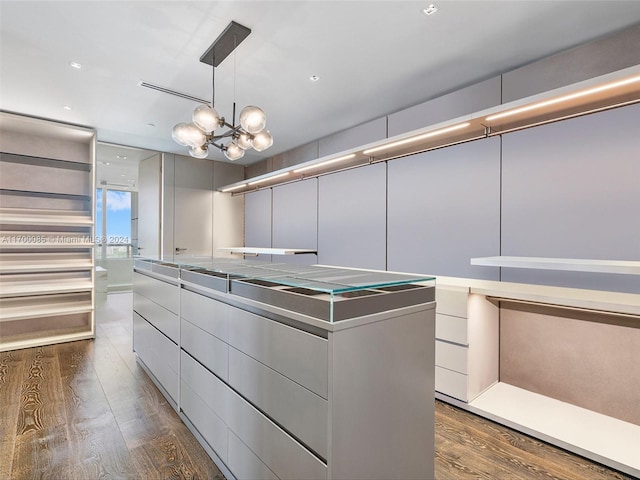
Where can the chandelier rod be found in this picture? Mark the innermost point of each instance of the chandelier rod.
(213, 86)
(235, 40)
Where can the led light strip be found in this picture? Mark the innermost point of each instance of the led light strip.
(564, 98)
(262, 180)
(236, 187)
(322, 164)
(417, 138)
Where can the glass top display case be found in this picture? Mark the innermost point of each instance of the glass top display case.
(327, 293)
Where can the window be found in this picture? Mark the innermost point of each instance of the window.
(118, 222)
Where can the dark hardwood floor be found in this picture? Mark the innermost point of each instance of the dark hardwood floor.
(86, 410)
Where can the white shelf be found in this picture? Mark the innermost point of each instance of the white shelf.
(6, 346)
(10, 267)
(55, 246)
(562, 297)
(23, 289)
(563, 264)
(267, 251)
(55, 307)
(599, 437)
(44, 262)
(27, 216)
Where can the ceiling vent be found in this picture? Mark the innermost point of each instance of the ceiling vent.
(158, 88)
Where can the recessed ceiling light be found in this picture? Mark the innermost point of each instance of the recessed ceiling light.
(314, 78)
(430, 10)
(66, 107)
(75, 65)
(106, 163)
(121, 157)
(122, 175)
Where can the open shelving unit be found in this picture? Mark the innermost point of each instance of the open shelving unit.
(564, 264)
(465, 304)
(593, 435)
(46, 232)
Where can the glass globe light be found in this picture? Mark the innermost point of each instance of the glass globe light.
(262, 140)
(233, 151)
(199, 152)
(194, 136)
(179, 134)
(244, 140)
(206, 118)
(252, 119)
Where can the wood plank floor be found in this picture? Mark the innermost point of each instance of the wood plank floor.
(86, 410)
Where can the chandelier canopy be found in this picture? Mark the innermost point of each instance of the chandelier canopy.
(205, 129)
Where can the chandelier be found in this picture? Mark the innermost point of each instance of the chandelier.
(205, 129)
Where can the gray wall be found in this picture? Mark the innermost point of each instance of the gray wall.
(456, 104)
(295, 220)
(568, 189)
(352, 218)
(228, 211)
(444, 208)
(572, 189)
(583, 62)
(257, 220)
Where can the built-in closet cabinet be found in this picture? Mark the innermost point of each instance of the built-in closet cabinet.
(181, 213)
(46, 232)
(467, 349)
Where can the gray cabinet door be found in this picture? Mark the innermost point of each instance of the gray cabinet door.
(295, 220)
(352, 219)
(257, 220)
(149, 206)
(297, 409)
(193, 206)
(297, 355)
(204, 399)
(244, 464)
(159, 354)
(570, 190)
(444, 209)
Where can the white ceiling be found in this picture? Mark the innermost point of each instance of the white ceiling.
(372, 57)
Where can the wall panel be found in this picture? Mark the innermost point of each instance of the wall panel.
(444, 209)
(571, 189)
(192, 206)
(352, 218)
(599, 57)
(150, 204)
(228, 211)
(353, 137)
(295, 219)
(461, 102)
(257, 220)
